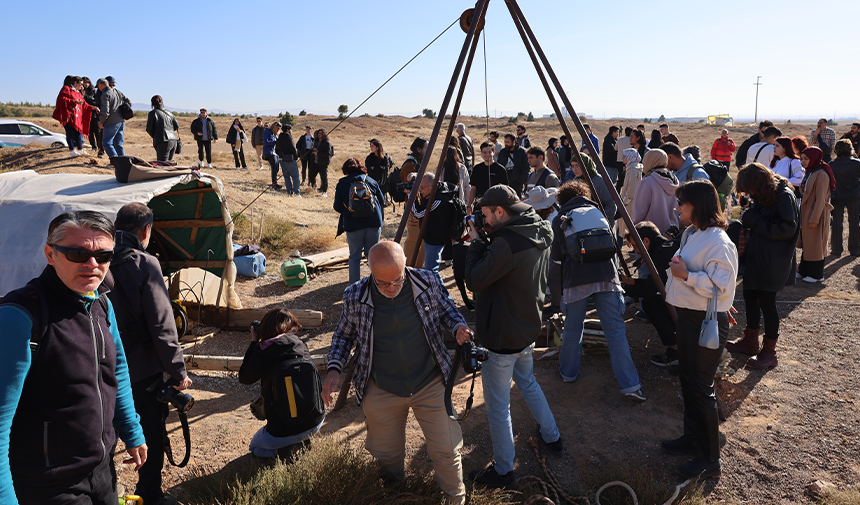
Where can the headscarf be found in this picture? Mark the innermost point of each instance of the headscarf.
(815, 163)
(655, 158)
(588, 164)
(631, 159)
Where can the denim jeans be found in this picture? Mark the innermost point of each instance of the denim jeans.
(359, 241)
(433, 257)
(73, 138)
(112, 139)
(610, 310)
(496, 377)
(291, 177)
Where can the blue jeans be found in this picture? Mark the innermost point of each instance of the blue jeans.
(112, 138)
(291, 176)
(610, 310)
(264, 445)
(359, 241)
(496, 377)
(433, 257)
(73, 138)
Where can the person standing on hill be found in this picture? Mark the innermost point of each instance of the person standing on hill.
(610, 154)
(785, 162)
(685, 167)
(565, 153)
(824, 138)
(270, 142)
(362, 230)
(515, 160)
(305, 146)
(322, 153)
(853, 136)
(204, 132)
(111, 121)
(815, 210)
(162, 126)
(287, 154)
(637, 141)
(667, 136)
(89, 93)
(378, 164)
(410, 167)
(74, 114)
(846, 196)
(723, 148)
(762, 152)
(497, 146)
(236, 138)
(594, 141)
(656, 140)
(484, 176)
(522, 139)
(467, 146)
(741, 154)
(540, 175)
(257, 140)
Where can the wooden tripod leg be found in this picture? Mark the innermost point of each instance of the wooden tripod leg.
(344, 386)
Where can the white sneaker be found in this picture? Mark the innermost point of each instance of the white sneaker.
(200, 165)
(73, 153)
(209, 166)
(261, 167)
(83, 152)
(811, 280)
(798, 276)
(324, 193)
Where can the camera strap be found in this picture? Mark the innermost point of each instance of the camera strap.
(186, 433)
(449, 390)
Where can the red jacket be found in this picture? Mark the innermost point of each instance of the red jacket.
(67, 111)
(722, 149)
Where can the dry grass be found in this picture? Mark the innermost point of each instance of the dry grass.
(841, 497)
(330, 472)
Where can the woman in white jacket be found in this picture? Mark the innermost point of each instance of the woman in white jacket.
(786, 163)
(707, 258)
(633, 170)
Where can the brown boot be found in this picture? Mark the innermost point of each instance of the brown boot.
(766, 358)
(746, 345)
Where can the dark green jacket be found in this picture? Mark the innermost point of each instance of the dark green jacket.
(508, 277)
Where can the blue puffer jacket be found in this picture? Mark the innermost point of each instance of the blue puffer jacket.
(269, 141)
(341, 205)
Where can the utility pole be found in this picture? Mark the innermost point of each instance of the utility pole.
(757, 84)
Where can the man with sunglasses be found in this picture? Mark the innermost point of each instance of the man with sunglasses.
(65, 386)
(397, 318)
(148, 330)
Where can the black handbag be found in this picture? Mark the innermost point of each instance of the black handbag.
(178, 146)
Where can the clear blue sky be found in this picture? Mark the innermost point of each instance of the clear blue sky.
(624, 58)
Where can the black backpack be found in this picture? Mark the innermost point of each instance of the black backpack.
(362, 202)
(457, 226)
(297, 390)
(716, 171)
(125, 109)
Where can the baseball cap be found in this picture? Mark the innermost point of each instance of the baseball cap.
(110, 79)
(502, 195)
(541, 198)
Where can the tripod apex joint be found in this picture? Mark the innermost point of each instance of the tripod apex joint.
(466, 21)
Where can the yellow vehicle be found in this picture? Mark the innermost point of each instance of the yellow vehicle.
(721, 119)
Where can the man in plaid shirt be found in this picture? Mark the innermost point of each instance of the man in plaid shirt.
(823, 138)
(397, 318)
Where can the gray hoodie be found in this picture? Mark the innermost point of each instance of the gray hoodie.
(655, 199)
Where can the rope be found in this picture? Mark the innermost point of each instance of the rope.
(486, 93)
(552, 489)
(267, 188)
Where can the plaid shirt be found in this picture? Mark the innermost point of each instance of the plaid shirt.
(437, 311)
(828, 136)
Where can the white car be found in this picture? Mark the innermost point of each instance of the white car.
(17, 133)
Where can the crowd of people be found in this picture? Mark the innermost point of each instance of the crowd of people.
(91, 339)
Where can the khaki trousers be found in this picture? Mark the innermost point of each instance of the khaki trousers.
(412, 228)
(259, 150)
(385, 415)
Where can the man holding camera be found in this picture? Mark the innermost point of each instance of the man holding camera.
(148, 330)
(508, 277)
(65, 388)
(396, 319)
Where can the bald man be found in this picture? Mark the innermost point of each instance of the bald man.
(397, 318)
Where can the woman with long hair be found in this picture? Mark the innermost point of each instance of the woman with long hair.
(705, 265)
(552, 160)
(363, 232)
(89, 94)
(638, 142)
(162, 126)
(799, 143)
(236, 138)
(74, 114)
(656, 139)
(655, 194)
(378, 164)
(772, 222)
(785, 162)
(815, 210)
(322, 154)
(275, 342)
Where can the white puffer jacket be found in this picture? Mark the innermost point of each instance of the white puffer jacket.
(711, 258)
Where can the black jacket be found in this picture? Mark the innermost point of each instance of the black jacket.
(143, 312)
(197, 127)
(741, 153)
(231, 135)
(378, 169)
(257, 366)
(437, 231)
(161, 125)
(846, 170)
(451, 174)
(521, 169)
(661, 251)
(257, 136)
(565, 154)
(301, 146)
(769, 258)
(610, 152)
(324, 153)
(285, 148)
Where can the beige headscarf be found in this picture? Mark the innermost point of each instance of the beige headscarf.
(655, 158)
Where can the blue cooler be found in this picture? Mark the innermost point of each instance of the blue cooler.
(253, 265)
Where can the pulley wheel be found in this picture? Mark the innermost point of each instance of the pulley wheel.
(466, 21)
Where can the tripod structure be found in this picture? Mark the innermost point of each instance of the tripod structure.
(467, 55)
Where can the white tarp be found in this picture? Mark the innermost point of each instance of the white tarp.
(29, 201)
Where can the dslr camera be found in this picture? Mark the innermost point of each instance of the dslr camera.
(477, 218)
(472, 356)
(182, 401)
(405, 186)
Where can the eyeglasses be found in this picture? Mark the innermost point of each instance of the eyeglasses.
(84, 255)
(386, 285)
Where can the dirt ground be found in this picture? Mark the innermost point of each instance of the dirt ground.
(786, 427)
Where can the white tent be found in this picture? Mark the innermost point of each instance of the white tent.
(29, 201)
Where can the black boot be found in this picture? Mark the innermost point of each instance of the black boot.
(700, 467)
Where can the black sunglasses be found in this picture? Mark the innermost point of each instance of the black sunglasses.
(681, 202)
(84, 255)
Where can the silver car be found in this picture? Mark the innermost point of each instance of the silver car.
(17, 133)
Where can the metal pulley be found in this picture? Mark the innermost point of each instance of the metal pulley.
(466, 21)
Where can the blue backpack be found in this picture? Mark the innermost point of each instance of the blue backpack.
(587, 235)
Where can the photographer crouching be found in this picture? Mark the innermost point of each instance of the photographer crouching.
(148, 331)
(397, 318)
(508, 277)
